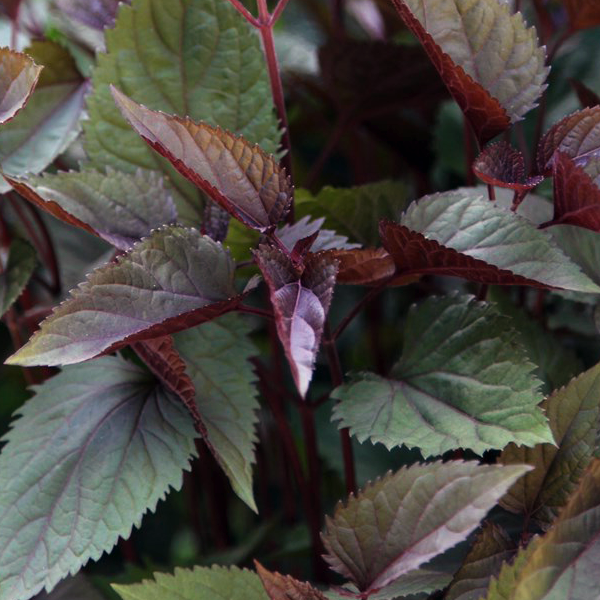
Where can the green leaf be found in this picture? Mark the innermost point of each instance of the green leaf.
(93, 450)
(216, 583)
(490, 550)
(562, 565)
(50, 121)
(466, 222)
(216, 355)
(463, 381)
(403, 520)
(172, 280)
(18, 77)
(118, 207)
(15, 275)
(355, 212)
(207, 64)
(573, 413)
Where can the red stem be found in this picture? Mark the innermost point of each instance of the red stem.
(245, 13)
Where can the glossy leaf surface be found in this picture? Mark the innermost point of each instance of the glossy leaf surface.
(401, 521)
(18, 76)
(79, 447)
(16, 273)
(172, 280)
(216, 357)
(463, 381)
(118, 207)
(244, 180)
(301, 302)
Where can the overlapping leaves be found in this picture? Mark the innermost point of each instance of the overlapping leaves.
(462, 382)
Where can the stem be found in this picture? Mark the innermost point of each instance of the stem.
(251, 310)
(245, 13)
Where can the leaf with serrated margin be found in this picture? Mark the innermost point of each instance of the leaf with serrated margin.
(239, 176)
(120, 208)
(461, 234)
(170, 281)
(18, 76)
(583, 14)
(355, 212)
(301, 302)
(215, 583)
(490, 550)
(50, 121)
(216, 356)
(16, 273)
(93, 450)
(284, 587)
(403, 520)
(305, 227)
(99, 14)
(463, 381)
(488, 58)
(563, 564)
(577, 136)
(208, 65)
(72, 588)
(573, 413)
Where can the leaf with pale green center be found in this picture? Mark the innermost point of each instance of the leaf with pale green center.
(172, 280)
(204, 61)
(573, 413)
(469, 224)
(216, 356)
(118, 207)
(93, 450)
(215, 583)
(18, 76)
(50, 121)
(403, 520)
(16, 273)
(463, 381)
(563, 564)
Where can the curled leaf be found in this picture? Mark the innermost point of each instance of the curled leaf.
(18, 76)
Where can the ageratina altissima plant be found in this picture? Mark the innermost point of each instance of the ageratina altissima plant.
(417, 348)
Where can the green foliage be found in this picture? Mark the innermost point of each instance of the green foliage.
(16, 272)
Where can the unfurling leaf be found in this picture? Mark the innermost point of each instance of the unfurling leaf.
(18, 77)
(463, 381)
(120, 208)
(488, 58)
(403, 520)
(573, 413)
(326, 239)
(16, 273)
(462, 235)
(170, 281)
(244, 180)
(301, 302)
(88, 438)
(281, 587)
(216, 583)
(500, 164)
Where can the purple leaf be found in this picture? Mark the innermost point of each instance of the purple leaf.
(18, 77)
(98, 14)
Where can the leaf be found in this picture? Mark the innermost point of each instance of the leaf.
(463, 381)
(573, 413)
(561, 564)
(117, 207)
(208, 64)
(170, 281)
(501, 165)
(72, 588)
(354, 212)
(99, 14)
(462, 235)
(401, 521)
(326, 239)
(301, 303)
(216, 356)
(280, 587)
(93, 450)
(490, 550)
(583, 14)
(576, 196)
(215, 583)
(14, 276)
(489, 60)
(18, 77)
(50, 121)
(577, 136)
(241, 178)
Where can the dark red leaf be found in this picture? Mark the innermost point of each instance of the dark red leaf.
(302, 247)
(587, 97)
(583, 14)
(301, 302)
(284, 587)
